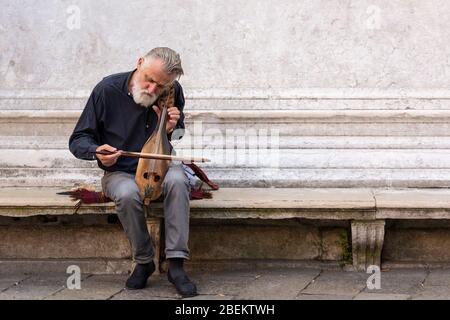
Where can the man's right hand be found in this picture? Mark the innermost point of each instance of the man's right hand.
(108, 160)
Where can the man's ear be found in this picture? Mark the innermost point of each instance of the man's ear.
(140, 62)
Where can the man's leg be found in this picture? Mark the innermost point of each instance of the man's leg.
(176, 212)
(123, 190)
(176, 189)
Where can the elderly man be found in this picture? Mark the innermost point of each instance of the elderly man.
(120, 115)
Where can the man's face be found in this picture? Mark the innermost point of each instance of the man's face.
(151, 80)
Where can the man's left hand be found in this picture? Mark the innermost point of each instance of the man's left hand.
(173, 115)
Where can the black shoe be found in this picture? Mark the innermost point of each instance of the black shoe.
(184, 286)
(138, 279)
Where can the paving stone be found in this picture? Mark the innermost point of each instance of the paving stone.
(8, 281)
(35, 287)
(433, 293)
(277, 283)
(322, 297)
(284, 284)
(438, 278)
(211, 297)
(223, 283)
(158, 287)
(337, 283)
(144, 294)
(98, 287)
(381, 296)
(211, 286)
(406, 282)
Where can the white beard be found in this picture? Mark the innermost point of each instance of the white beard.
(142, 97)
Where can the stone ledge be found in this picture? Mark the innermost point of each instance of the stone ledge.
(255, 93)
(239, 116)
(262, 203)
(227, 203)
(413, 204)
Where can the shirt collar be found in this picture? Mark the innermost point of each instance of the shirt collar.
(125, 85)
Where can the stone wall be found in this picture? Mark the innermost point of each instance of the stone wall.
(352, 93)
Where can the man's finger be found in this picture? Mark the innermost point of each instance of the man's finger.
(106, 147)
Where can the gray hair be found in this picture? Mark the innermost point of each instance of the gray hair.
(171, 60)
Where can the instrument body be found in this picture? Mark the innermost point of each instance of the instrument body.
(150, 173)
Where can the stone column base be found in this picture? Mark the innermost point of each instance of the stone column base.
(367, 243)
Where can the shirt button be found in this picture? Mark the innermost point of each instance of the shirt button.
(147, 126)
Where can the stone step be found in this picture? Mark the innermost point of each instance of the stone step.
(251, 98)
(246, 122)
(250, 177)
(331, 148)
(241, 115)
(284, 142)
(255, 158)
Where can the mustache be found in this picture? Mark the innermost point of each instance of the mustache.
(144, 91)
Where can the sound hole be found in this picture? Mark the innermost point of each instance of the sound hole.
(146, 175)
(157, 178)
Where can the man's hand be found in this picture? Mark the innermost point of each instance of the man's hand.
(173, 116)
(108, 160)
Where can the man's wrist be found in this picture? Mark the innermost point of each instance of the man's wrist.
(92, 151)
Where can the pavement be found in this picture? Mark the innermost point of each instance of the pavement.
(273, 284)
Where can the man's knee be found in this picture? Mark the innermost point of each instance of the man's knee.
(176, 180)
(128, 195)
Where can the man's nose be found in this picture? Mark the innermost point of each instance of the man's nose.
(152, 88)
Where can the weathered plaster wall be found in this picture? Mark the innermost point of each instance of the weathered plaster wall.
(70, 45)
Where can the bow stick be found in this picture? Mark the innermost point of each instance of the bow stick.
(153, 156)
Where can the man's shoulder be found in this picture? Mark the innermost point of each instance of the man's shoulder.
(177, 85)
(115, 78)
(113, 81)
(178, 89)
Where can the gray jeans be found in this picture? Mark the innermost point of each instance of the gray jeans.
(123, 190)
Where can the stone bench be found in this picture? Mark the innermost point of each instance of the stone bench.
(365, 209)
(334, 154)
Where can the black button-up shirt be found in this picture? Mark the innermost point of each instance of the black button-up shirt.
(112, 117)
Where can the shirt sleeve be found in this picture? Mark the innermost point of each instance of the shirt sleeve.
(84, 140)
(178, 131)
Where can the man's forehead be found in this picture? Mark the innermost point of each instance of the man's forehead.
(159, 77)
(154, 69)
